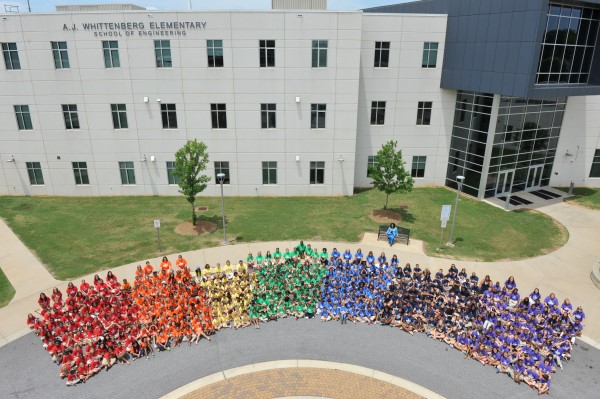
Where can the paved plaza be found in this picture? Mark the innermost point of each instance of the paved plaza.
(26, 371)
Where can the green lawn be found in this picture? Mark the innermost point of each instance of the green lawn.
(584, 196)
(76, 236)
(6, 290)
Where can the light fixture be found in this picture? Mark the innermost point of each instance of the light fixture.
(144, 159)
(297, 157)
(12, 159)
(341, 158)
(158, 100)
(297, 99)
(146, 99)
(152, 158)
(568, 154)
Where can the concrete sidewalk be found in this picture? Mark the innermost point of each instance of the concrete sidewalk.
(565, 271)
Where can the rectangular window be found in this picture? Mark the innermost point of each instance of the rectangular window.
(424, 113)
(269, 172)
(377, 112)
(595, 170)
(430, 50)
(319, 53)
(418, 166)
(171, 178)
(70, 116)
(214, 49)
(218, 113)
(268, 114)
(382, 54)
(34, 170)
(317, 172)
(110, 49)
(222, 167)
(169, 116)
(162, 52)
(60, 55)
(317, 116)
(23, 117)
(267, 53)
(81, 173)
(370, 164)
(119, 116)
(11, 56)
(127, 172)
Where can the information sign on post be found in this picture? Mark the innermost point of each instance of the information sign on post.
(157, 227)
(444, 217)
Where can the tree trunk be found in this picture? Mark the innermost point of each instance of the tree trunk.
(193, 214)
(386, 201)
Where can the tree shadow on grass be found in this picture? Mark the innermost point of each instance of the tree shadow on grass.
(405, 215)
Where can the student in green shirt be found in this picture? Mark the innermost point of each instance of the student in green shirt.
(277, 254)
(310, 252)
(259, 259)
(301, 249)
(324, 255)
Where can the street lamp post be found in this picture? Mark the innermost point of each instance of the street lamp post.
(459, 180)
(221, 177)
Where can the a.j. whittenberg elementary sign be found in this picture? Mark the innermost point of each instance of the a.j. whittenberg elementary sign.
(116, 29)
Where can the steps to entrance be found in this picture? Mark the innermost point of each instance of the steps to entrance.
(529, 199)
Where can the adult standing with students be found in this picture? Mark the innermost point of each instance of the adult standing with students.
(392, 233)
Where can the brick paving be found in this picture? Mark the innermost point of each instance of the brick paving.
(290, 382)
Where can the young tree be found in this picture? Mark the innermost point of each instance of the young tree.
(190, 162)
(388, 173)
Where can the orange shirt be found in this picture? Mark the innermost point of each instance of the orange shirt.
(148, 269)
(181, 263)
(165, 266)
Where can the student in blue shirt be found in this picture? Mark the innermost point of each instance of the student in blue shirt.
(335, 253)
(358, 255)
(392, 233)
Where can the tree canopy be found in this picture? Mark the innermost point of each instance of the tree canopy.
(190, 162)
(389, 173)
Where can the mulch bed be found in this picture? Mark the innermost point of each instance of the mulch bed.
(201, 227)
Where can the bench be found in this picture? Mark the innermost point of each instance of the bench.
(403, 233)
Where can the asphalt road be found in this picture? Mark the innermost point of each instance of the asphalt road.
(26, 371)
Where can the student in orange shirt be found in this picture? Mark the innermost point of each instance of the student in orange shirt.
(165, 265)
(148, 269)
(181, 262)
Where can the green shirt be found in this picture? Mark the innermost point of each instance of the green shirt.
(277, 254)
(260, 259)
(324, 255)
(301, 248)
(249, 258)
(287, 255)
(310, 252)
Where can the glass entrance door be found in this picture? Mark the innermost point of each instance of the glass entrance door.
(534, 177)
(504, 182)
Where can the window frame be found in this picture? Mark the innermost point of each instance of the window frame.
(426, 62)
(213, 46)
(12, 61)
(268, 116)
(111, 54)
(80, 172)
(370, 162)
(168, 114)
(382, 55)
(23, 117)
(419, 163)
(171, 178)
(595, 168)
(424, 111)
(218, 115)
(319, 53)
(71, 116)
(60, 55)
(269, 173)
(378, 113)
(162, 53)
(119, 116)
(222, 167)
(318, 114)
(266, 53)
(317, 173)
(35, 173)
(127, 172)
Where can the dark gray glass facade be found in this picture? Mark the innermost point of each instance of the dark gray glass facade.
(469, 138)
(568, 44)
(524, 148)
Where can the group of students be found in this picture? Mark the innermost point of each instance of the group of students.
(98, 325)
(94, 326)
(526, 338)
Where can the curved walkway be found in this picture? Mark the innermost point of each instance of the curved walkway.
(565, 271)
(306, 378)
